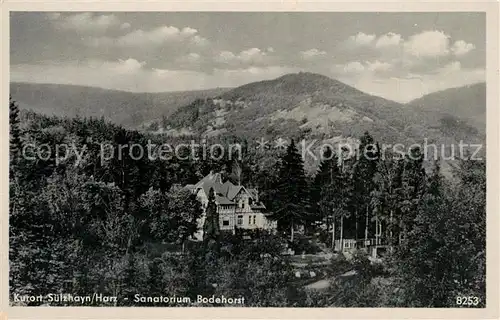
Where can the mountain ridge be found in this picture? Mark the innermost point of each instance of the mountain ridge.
(305, 101)
(129, 109)
(467, 103)
(297, 104)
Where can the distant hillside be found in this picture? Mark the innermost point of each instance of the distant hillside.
(300, 105)
(305, 105)
(126, 108)
(465, 105)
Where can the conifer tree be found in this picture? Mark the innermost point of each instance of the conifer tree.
(435, 181)
(412, 189)
(155, 278)
(322, 181)
(211, 228)
(386, 198)
(328, 192)
(15, 132)
(363, 174)
(130, 285)
(291, 194)
(211, 243)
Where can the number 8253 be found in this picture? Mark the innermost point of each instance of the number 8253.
(467, 301)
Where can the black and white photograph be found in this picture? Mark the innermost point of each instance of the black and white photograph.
(247, 159)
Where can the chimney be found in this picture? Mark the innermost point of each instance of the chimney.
(218, 178)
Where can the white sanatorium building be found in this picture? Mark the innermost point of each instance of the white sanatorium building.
(238, 207)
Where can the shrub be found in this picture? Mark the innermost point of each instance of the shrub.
(304, 245)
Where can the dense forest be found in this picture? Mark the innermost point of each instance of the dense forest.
(122, 226)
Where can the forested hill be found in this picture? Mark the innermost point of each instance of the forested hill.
(308, 105)
(466, 104)
(129, 109)
(301, 105)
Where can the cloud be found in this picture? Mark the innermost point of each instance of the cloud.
(388, 40)
(125, 25)
(417, 48)
(190, 59)
(225, 56)
(249, 56)
(123, 66)
(312, 54)
(383, 79)
(451, 67)
(404, 69)
(87, 22)
(378, 66)
(220, 77)
(362, 39)
(428, 44)
(461, 47)
(357, 67)
(354, 67)
(199, 41)
(132, 75)
(390, 55)
(411, 86)
(193, 57)
(155, 37)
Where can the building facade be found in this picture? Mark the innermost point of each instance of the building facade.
(237, 206)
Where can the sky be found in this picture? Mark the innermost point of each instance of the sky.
(398, 56)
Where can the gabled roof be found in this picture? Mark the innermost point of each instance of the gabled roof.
(214, 180)
(223, 200)
(210, 181)
(253, 193)
(233, 191)
(226, 192)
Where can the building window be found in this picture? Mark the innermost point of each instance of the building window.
(254, 219)
(240, 220)
(379, 229)
(225, 222)
(250, 201)
(249, 219)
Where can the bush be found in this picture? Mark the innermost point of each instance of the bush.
(302, 244)
(338, 266)
(325, 237)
